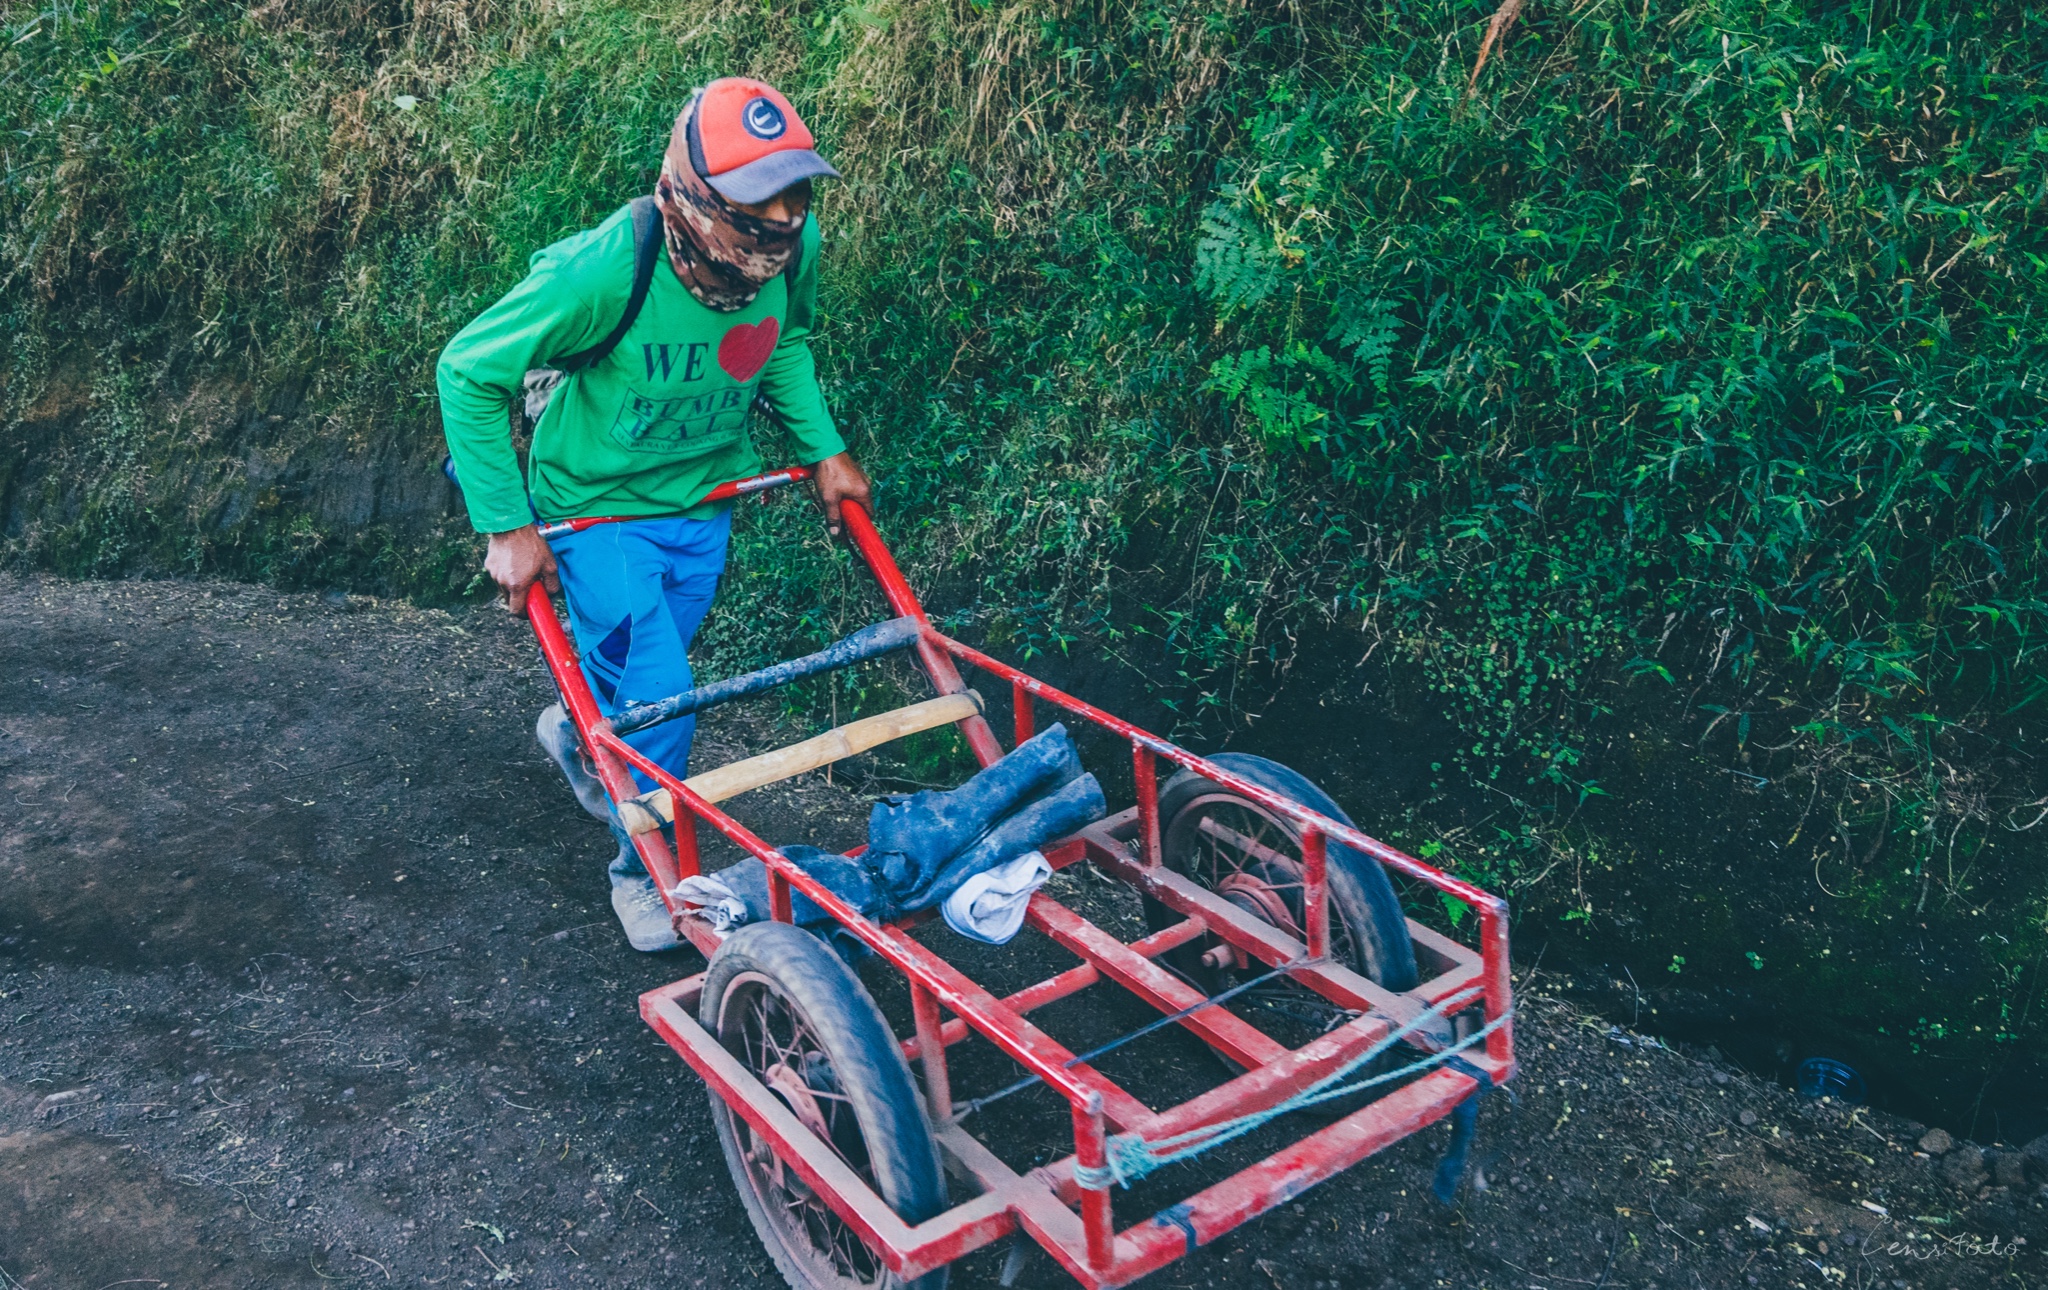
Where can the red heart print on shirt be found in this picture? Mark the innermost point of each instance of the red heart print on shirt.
(746, 347)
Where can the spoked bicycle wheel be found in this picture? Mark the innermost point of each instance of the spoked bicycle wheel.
(797, 1017)
(1251, 857)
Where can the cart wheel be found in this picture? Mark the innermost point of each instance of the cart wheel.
(796, 1016)
(1252, 858)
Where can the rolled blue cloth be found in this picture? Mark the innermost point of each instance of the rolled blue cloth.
(844, 877)
(910, 838)
(1075, 805)
(921, 848)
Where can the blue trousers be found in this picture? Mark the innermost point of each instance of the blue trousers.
(637, 592)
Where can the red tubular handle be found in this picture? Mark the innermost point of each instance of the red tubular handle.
(723, 493)
(945, 678)
(582, 707)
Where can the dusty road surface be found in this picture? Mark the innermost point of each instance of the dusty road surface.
(308, 977)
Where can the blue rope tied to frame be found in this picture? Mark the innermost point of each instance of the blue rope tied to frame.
(1129, 1157)
(1450, 1171)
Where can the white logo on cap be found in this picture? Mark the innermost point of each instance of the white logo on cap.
(763, 119)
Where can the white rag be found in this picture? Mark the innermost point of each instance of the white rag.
(723, 910)
(989, 907)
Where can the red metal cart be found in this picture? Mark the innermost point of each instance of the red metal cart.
(1245, 869)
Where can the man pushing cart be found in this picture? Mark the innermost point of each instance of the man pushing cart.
(669, 319)
(666, 322)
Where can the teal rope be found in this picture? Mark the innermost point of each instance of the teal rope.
(1129, 1157)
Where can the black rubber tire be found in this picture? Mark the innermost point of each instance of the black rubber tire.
(1359, 890)
(865, 1066)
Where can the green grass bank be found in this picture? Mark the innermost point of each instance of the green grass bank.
(1675, 372)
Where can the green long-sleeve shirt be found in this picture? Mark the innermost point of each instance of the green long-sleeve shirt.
(658, 422)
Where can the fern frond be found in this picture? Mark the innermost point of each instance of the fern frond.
(1369, 332)
(1235, 264)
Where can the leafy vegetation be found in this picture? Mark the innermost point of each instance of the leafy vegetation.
(1681, 359)
(1732, 322)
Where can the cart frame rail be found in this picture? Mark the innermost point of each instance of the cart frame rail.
(1075, 1224)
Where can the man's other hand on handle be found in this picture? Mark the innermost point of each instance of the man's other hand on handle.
(518, 558)
(840, 479)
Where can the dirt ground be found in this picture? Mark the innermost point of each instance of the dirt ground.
(315, 951)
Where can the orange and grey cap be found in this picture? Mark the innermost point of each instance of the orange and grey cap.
(747, 142)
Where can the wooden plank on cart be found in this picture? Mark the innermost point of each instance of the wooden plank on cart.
(649, 811)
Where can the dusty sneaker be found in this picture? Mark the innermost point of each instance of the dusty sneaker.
(557, 737)
(642, 914)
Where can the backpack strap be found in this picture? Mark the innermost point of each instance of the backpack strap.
(646, 253)
(647, 240)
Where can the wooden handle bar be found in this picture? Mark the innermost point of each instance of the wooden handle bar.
(649, 811)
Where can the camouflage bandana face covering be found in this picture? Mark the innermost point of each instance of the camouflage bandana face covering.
(723, 255)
